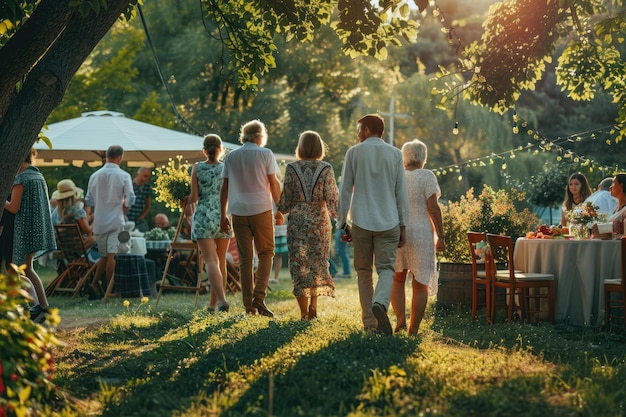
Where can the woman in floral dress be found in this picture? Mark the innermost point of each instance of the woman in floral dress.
(206, 180)
(310, 197)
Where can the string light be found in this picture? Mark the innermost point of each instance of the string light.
(542, 144)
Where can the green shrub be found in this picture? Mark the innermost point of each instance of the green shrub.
(491, 212)
(26, 361)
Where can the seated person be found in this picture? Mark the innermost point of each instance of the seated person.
(161, 221)
(576, 192)
(602, 197)
(70, 210)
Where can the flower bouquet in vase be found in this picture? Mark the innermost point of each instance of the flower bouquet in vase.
(173, 183)
(581, 219)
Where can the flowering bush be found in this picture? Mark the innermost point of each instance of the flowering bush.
(491, 212)
(584, 215)
(173, 183)
(26, 361)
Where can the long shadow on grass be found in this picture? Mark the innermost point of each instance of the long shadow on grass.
(171, 376)
(559, 343)
(329, 379)
(92, 363)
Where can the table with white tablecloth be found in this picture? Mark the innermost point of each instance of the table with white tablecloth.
(138, 245)
(579, 268)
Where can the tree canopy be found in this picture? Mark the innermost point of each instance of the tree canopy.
(44, 42)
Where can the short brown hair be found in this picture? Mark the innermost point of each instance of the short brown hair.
(374, 122)
(30, 157)
(211, 144)
(310, 145)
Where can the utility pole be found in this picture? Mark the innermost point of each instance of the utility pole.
(392, 115)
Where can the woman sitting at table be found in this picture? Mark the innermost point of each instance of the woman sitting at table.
(576, 192)
(619, 216)
(70, 210)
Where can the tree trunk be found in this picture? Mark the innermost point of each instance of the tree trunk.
(44, 86)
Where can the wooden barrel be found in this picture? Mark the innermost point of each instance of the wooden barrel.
(455, 286)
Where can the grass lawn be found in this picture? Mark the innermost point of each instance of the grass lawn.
(177, 361)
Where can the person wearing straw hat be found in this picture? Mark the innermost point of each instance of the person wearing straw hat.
(70, 209)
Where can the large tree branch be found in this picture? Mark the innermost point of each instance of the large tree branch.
(29, 44)
(45, 85)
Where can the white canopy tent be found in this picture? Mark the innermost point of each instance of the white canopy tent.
(85, 139)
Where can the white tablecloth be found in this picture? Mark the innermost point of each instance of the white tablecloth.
(138, 246)
(579, 268)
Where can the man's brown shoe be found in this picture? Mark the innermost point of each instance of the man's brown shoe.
(384, 326)
(262, 308)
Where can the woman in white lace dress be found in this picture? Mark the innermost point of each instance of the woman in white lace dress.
(418, 255)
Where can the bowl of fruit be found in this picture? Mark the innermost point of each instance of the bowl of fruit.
(549, 232)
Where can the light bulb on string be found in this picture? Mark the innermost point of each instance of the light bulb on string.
(455, 131)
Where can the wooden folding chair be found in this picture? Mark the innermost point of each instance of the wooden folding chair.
(78, 266)
(233, 279)
(193, 269)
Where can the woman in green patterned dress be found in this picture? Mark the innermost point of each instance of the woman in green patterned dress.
(34, 234)
(206, 181)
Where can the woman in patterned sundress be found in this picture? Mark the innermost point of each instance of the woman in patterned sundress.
(418, 255)
(33, 230)
(206, 180)
(310, 196)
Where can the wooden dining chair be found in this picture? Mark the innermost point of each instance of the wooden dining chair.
(525, 285)
(479, 275)
(612, 286)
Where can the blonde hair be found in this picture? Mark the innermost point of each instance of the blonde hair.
(65, 203)
(252, 130)
(310, 146)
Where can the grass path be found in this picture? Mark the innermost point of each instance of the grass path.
(177, 361)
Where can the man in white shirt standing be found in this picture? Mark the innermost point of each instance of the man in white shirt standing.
(373, 190)
(109, 194)
(249, 184)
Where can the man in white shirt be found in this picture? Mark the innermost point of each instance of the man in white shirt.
(109, 194)
(249, 184)
(373, 190)
(602, 197)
